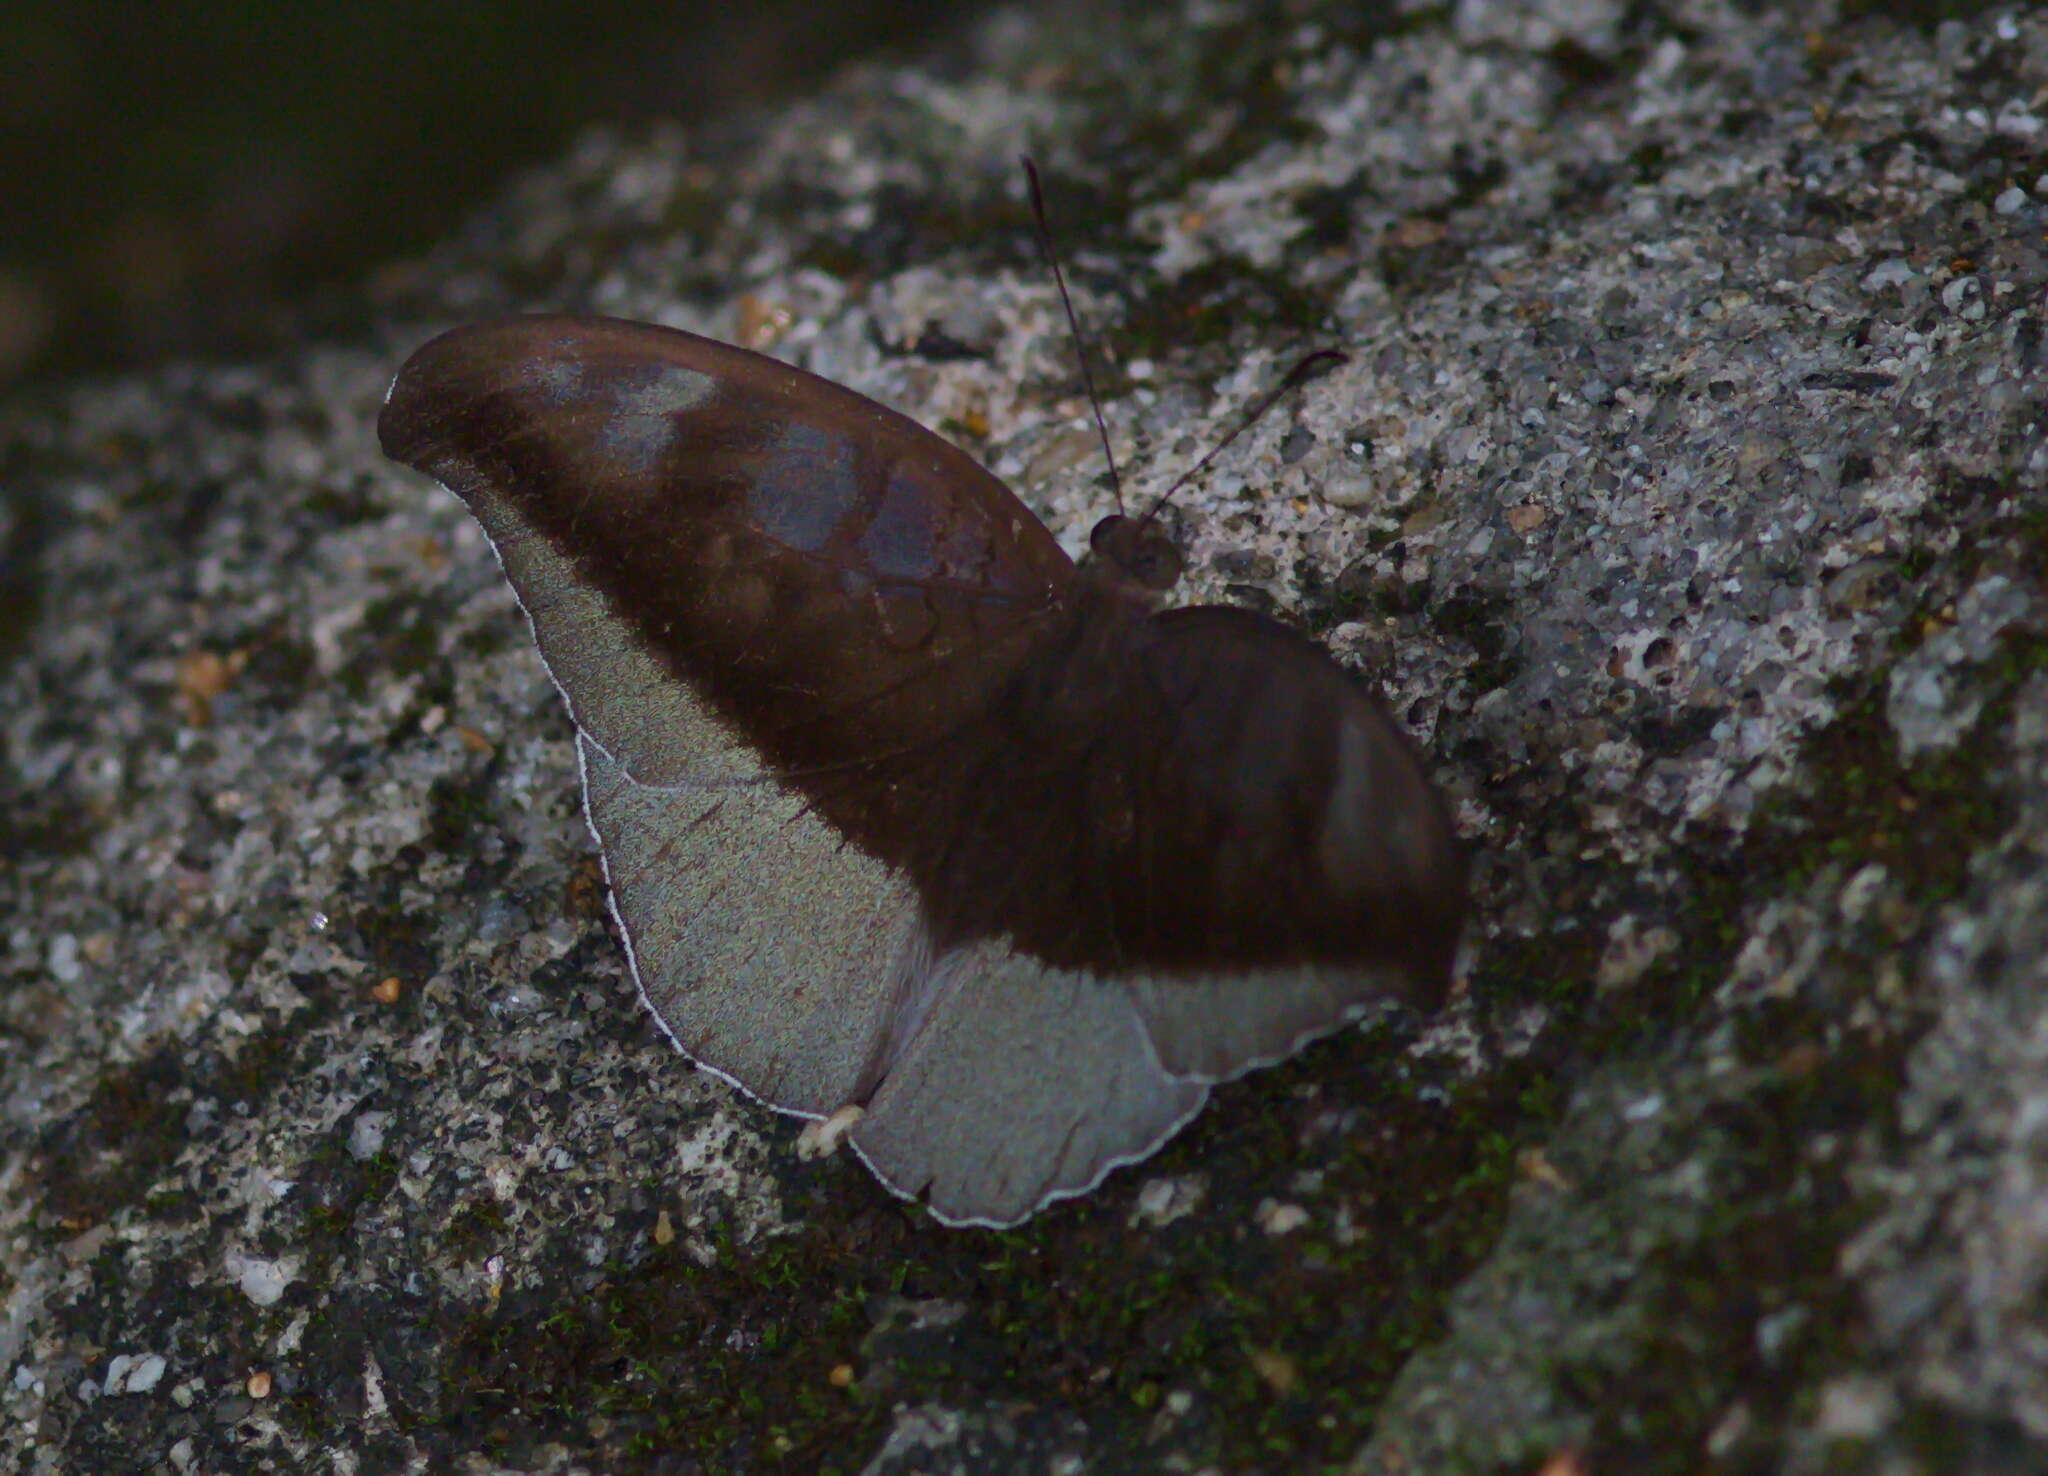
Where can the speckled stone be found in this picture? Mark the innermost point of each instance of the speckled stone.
(1684, 490)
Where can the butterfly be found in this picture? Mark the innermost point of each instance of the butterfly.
(976, 857)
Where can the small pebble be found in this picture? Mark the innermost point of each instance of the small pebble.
(1276, 1218)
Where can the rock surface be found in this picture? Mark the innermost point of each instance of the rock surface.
(1685, 489)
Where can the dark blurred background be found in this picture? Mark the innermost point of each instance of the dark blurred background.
(174, 179)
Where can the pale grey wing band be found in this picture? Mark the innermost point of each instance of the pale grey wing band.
(1027, 1084)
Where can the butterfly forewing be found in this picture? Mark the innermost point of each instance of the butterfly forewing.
(835, 581)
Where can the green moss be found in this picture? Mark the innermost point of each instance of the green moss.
(1487, 622)
(400, 636)
(1206, 304)
(109, 1154)
(669, 1357)
(476, 1229)
(733, 1363)
(459, 805)
(1781, 1211)
(333, 1188)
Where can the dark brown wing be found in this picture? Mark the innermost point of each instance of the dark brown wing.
(839, 584)
(1196, 791)
(1319, 836)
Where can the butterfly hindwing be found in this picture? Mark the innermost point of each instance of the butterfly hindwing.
(1285, 818)
(769, 950)
(1028, 1084)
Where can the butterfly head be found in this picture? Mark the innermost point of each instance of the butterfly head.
(1136, 553)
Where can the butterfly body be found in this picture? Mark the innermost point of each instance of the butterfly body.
(899, 806)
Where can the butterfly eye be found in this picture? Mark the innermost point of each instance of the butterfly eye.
(1158, 562)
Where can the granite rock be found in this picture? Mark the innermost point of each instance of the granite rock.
(1685, 492)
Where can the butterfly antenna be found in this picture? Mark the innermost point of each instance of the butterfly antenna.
(1305, 369)
(1059, 278)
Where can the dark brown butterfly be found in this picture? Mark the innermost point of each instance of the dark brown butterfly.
(901, 810)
